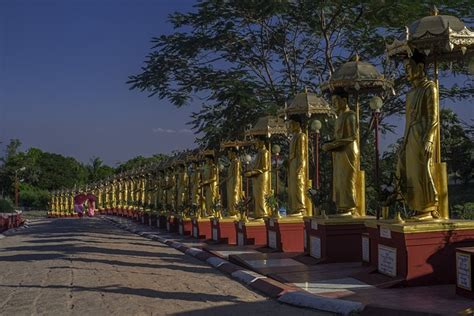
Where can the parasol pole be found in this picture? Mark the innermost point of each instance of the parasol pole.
(438, 134)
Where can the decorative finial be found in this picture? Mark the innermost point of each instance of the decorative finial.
(305, 89)
(357, 58)
(434, 11)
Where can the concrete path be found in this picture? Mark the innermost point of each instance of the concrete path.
(89, 267)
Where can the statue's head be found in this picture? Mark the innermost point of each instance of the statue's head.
(415, 66)
(294, 125)
(340, 100)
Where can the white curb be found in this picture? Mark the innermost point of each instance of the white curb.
(215, 262)
(332, 305)
(247, 276)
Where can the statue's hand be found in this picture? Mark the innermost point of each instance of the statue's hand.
(428, 149)
(327, 147)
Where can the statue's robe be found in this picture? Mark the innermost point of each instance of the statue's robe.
(298, 174)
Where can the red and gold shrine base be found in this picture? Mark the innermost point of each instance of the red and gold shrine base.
(464, 268)
(251, 233)
(153, 220)
(201, 228)
(285, 234)
(162, 220)
(224, 230)
(420, 253)
(172, 224)
(185, 226)
(337, 239)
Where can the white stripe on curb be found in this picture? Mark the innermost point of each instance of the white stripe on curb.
(215, 262)
(247, 276)
(193, 251)
(305, 299)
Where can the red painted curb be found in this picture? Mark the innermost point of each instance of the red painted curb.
(271, 287)
(229, 268)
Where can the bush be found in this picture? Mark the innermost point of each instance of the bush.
(6, 206)
(33, 197)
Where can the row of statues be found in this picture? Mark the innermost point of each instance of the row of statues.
(190, 184)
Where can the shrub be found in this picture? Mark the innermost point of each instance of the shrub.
(6, 206)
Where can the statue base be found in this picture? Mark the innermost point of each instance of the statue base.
(145, 217)
(172, 224)
(224, 230)
(162, 220)
(185, 226)
(417, 252)
(336, 239)
(464, 267)
(152, 220)
(201, 228)
(251, 233)
(285, 234)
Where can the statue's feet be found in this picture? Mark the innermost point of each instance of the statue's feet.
(297, 214)
(422, 216)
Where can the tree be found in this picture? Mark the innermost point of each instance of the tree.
(246, 58)
(138, 162)
(97, 170)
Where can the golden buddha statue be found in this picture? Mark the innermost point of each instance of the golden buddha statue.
(345, 154)
(415, 161)
(233, 183)
(197, 200)
(210, 185)
(261, 184)
(169, 187)
(182, 188)
(297, 171)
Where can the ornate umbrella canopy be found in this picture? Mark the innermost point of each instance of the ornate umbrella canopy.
(307, 104)
(237, 144)
(357, 77)
(267, 126)
(439, 37)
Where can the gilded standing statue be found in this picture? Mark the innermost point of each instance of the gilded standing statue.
(415, 161)
(260, 174)
(345, 154)
(233, 183)
(297, 170)
(209, 185)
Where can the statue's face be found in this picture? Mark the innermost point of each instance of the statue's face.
(294, 126)
(339, 103)
(413, 70)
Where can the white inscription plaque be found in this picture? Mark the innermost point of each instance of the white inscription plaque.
(181, 230)
(195, 232)
(315, 247)
(463, 271)
(214, 234)
(271, 223)
(365, 249)
(240, 239)
(168, 226)
(387, 260)
(314, 225)
(272, 239)
(385, 233)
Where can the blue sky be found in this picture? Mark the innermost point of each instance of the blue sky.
(63, 68)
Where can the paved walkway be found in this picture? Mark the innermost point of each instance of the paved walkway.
(89, 267)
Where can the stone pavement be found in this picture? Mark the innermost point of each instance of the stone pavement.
(77, 267)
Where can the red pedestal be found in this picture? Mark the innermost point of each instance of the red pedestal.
(419, 253)
(251, 233)
(464, 271)
(224, 231)
(153, 220)
(162, 220)
(185, 226)
(336, 239)
(172, 224)
(285, 234)
(201, 228)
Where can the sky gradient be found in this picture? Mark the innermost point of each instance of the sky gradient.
(63, 68)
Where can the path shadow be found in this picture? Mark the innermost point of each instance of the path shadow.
(144, 292)
(75, 249)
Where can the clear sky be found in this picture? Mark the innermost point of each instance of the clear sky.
(63, 68)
